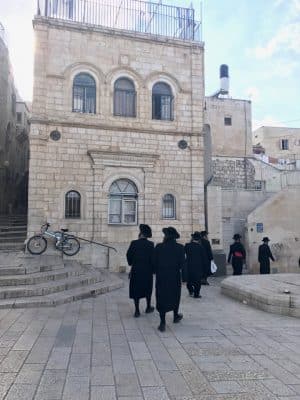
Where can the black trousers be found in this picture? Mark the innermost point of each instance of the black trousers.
(194, 287)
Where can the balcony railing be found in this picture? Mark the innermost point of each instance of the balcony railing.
(131, 15)
(2, 34)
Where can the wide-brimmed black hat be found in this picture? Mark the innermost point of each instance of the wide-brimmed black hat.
(203, 233)
(236, 236)
(266, 239)
(196, 235)
(145, 230)
(171, 233)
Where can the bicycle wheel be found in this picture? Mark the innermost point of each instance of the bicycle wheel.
(37, 245)
(70, 246)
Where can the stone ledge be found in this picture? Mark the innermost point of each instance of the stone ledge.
(278, 293)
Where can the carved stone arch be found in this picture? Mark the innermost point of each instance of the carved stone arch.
(165, 77)
(76, 68)
(115, 177)
(125, 72)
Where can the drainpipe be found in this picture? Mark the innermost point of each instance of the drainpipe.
(93, 204)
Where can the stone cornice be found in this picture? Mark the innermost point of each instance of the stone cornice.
(117, 158)
(60, 24)
(106, 127)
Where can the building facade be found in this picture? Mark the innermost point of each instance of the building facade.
(13, 139)
(116, 134)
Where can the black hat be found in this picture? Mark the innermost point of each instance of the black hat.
(145, 230)
(266, 239)
(203, 233)
(171, 233)
(196, 235)
(236, 236)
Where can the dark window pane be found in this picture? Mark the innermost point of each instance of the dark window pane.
(72, 204)
(169, 210)
(124, 98)
(84, 94)
(162, 102)
(227, 121)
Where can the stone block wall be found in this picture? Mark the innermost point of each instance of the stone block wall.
(233, 173)
(96, 149)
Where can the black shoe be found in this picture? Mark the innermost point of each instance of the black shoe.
(191, 294)
(197, 296)
(137, 314)
(162, 327)
(149, 310)
(177, 318)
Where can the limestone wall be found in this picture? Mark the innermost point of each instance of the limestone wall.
(280, 219)
(96, 149)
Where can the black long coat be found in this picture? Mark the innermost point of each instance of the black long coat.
(196, 262)
(140, 257)
(168, 262)
(264, 255)
(236, 261)
(209, 255)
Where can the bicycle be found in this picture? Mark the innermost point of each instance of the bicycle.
(68, 244)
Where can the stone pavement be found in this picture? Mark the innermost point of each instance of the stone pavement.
(94, 349)
(276, 293)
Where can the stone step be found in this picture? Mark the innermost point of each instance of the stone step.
(39, 277)
(28, 269)
(12, 236)
(15, 228)
(45, 288)
(12, 246)
(110, 282)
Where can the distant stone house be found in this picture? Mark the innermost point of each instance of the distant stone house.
(116, 133)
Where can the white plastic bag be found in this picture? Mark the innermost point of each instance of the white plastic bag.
(213, 267)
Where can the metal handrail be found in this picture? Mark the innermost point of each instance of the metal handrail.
(140, 16)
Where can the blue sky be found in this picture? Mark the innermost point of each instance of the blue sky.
(258, 39)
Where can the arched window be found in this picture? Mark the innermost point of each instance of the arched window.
(169, 206)
(124, 98)
(123, 203)
(162, 102)
(72, 204)
(84, 94)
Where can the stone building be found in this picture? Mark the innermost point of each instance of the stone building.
(13, 139)
(244, 193)
(279, 146)
(116, 132)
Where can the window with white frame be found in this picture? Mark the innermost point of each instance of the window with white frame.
(169, 206)
(123, 202)
(284, 144)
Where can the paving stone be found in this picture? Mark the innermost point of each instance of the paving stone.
(102, 376)
(76, 388)
(278, 387)
(139, 351)
(155, 393)
(175, 384)
(79, 365)
(29, 374)
(59, 358)
(20, 391)
(103, 393)
(13, 361)
(127, 385)
(148, 373)
(51, 385)
(226, 387)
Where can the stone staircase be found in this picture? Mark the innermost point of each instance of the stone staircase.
(13, 231)
(47, 281)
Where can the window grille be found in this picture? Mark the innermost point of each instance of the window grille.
(162, 102)
(122, 203)
(84, 94)
(72, 204)
(124, 98)
(169, 207)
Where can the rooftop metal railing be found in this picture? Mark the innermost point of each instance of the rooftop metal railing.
(153, 18)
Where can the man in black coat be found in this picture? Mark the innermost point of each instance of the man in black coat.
(237, 255)
(168, 263)
(264, 255)
(196, 263)
(207, 247)
(140, 258)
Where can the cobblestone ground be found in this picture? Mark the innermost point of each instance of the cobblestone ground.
(95, 350)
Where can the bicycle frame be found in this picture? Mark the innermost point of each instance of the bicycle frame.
(58, 236)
